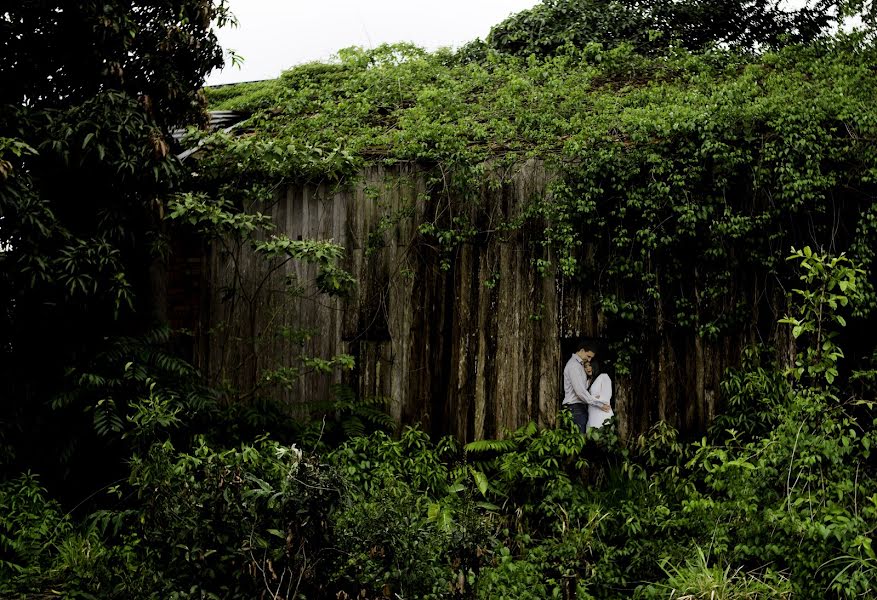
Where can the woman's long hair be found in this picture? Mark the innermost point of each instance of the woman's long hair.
(595, 371)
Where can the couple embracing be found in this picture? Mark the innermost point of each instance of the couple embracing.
(586, 390)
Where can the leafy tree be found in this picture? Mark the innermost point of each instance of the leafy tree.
(90, 92)
(653, 24)
(157, 51)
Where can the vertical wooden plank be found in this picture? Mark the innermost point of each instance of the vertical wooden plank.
(464, 357)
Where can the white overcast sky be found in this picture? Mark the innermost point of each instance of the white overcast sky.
(274, 35)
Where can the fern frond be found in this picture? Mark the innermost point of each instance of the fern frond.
(353, 427)
(490, 446)
(376, 417)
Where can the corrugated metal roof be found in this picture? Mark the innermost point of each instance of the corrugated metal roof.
(226, 120)
(220, 119)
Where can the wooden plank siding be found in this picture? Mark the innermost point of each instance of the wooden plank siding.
(444, 348)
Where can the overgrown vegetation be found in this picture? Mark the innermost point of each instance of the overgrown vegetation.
(687, 174)
(685, 171)
(777, 502)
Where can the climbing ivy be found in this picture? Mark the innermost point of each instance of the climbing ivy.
(686, 175)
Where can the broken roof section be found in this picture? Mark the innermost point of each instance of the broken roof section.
(224, 120)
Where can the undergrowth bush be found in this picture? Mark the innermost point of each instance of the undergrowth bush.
(770, 513)
(31, 525)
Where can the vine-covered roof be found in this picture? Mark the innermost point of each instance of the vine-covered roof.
(686, 172)
(402, 103)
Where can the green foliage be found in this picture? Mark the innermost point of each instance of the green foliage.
(656, 24)
(800, 467)
(699, 581)
(31, 525)
(259, 258)
(490, 445)
(777, 502)
(163, 52)
(516, 578)
(367, 462)
(224, 523)
(755, 395)
(831, 285)
(134, 379)
(396, 545)
(89, 373)
(85, 171)
(675, 177)
(358, 416)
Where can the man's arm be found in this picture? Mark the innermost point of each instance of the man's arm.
(580, 386)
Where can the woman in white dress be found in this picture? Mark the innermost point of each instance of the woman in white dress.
(601, 389)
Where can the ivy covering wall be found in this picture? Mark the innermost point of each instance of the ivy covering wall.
(679, 181)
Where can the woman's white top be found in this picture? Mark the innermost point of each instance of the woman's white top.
(601, 389)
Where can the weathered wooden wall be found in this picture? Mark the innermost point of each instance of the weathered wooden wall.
(472, 350)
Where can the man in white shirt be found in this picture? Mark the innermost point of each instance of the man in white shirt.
(576, 397)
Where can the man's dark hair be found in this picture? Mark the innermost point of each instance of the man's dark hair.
(586, 345)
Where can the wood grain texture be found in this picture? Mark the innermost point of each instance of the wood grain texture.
(445, 348)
